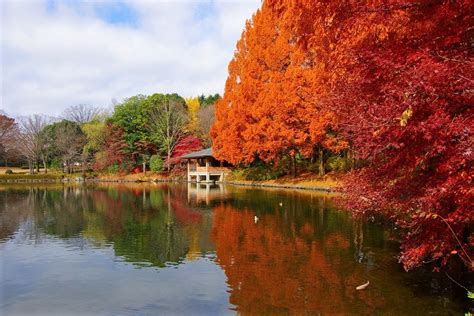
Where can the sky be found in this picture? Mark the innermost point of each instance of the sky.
(59, 53)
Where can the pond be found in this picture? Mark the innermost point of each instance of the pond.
(182, 249)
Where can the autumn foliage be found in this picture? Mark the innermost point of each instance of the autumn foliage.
(275, 268)
(388, 81)
(8, 132)
(114, 149)
(258, 116)
(186, 145)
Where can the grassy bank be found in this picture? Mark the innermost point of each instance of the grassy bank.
(48, 177)
(20, 175)
(305, 181)
(140, 177)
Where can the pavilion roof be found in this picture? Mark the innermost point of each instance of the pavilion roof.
(198, 154)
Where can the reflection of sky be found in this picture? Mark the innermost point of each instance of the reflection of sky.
(53, 277)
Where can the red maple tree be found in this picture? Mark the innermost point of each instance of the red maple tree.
(186, 145)
(394, 78)
(114, 150)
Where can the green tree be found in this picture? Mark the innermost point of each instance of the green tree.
(168, 120)
(96, 135)
(132, 116)
(208, 100)
(156, 163)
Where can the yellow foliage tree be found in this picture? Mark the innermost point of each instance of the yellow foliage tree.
(193, 104)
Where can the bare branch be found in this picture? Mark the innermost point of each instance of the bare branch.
(81, 113)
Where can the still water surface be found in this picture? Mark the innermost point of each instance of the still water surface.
(210, 250)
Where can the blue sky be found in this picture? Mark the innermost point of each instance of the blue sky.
(57, 53)
(113, 12)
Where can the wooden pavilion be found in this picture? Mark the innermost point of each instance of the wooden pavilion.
(203, 167)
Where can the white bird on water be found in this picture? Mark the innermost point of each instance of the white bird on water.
(281, 203)
(363, 286)
(255, 219)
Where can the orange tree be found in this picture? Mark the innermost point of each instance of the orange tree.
(269, 110)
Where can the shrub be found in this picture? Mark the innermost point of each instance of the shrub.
(126, 165)
(113, 168)
(258, 171)
(55, 164)
(156, 163)
(236, 174)
(9, 171)
(261, 173)
(338, 163)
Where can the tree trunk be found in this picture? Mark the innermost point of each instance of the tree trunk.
(350, 157)
(6, 161)
(37, 166)
(169, 157)
(321, 161)
(144, 166)
(45, 166)
(294, 166)
(30, 166)
(290, 165)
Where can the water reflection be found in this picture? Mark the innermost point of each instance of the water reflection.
(256, 252)
(144, 225)
(307, 268)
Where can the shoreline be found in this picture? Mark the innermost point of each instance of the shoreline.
(284, 185)
(255, 184)
(327, 187)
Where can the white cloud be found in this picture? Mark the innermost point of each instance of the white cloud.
(54, 56)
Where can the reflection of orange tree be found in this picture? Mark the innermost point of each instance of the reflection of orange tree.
(270, 272)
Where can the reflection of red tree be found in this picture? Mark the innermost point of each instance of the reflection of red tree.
(270, 272)
(176, 197)
(183, 213)
(113, 210)
(137, 191)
